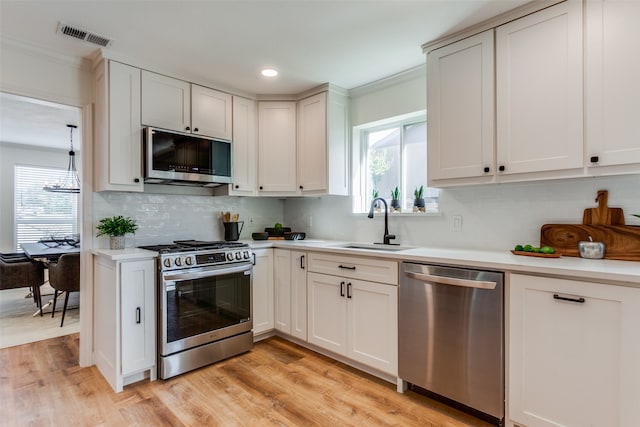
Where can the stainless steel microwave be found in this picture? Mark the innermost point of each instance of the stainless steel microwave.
(174, 157)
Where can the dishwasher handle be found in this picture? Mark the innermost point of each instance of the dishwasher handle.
(451, 281)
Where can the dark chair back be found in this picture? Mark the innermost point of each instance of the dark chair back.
(17, 271)
(64, 275)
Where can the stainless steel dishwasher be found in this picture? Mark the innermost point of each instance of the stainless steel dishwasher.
(451, 336)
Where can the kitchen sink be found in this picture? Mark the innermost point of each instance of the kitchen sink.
(375, 247)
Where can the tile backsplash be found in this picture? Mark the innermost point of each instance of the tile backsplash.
(163, 218)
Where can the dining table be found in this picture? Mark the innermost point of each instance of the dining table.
(46, 251)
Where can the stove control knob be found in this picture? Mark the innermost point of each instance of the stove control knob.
(230, 256)
(167, 262)
(178, 261)
(245, 254)
(188, 260)
(238, 256)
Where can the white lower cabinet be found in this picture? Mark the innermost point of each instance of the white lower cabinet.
(290, 287)
(125, 319)
(262, 291)
(354, 318)
(574, 349)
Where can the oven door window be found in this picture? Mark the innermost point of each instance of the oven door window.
(198, 306)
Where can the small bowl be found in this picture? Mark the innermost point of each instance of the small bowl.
(260, 236)
(591, 250)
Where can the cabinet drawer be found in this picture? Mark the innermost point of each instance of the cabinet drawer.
(371, 269)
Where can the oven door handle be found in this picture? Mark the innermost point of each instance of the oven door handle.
(199, 274)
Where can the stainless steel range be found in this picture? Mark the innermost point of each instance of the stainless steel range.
(204, 303)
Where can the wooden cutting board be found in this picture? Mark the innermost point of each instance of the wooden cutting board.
(603, 214)
(621, 241)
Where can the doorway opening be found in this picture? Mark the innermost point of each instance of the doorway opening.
(34, 147)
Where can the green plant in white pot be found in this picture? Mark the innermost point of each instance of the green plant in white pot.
(116, 227)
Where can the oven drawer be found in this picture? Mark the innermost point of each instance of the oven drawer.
(370, 269)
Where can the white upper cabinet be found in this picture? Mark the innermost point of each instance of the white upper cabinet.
(117, 162)
(276, 148)
(460, 105)
(312, 145)
(245, 147)
(613, 85)
(303, 147)
(323, 149)
(539, 92)
(211, 112)
(521, 119)
(166, 102)
(174, 104)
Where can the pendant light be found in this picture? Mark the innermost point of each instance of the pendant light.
(71, 182)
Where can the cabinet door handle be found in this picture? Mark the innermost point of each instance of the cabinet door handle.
(261, 187)
(302, 262)
(347, 267)
(254, 258)
(341, 289)
(594, 159)
(579, 300)
(487, 169)
(349, 290)
(136, 179)
(501, 168)
(195, 129)
(138, 319)
(187, 128)
(237, 186)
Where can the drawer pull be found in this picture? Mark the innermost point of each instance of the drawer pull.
(579, 300)
(347, 267)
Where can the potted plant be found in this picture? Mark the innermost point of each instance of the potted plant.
(418, 199)
(395, 200)
(116, 227)
(376, 205)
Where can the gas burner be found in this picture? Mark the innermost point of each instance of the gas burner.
(192, 245)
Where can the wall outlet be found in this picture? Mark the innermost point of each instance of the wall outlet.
(457, 223)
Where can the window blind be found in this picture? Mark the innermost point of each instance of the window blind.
(41, 214)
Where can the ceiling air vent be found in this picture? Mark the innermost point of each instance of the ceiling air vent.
(80, 34)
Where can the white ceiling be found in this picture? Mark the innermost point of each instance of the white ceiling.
(227, 43)
(31, 122)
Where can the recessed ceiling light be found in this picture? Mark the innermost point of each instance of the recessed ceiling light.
(269, 72)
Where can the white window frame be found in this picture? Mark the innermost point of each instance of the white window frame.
(359, 205)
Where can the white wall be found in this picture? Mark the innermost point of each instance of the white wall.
(29, 71)
(400, 94)
(494, 217)
(15, 154)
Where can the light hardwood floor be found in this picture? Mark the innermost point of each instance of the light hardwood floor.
(276, 384)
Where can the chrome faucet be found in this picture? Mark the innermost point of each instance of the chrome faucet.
(387, 237)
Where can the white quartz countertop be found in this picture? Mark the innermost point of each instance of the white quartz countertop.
(598, 270)
(126, 254)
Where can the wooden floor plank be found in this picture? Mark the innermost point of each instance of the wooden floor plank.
(278, 383)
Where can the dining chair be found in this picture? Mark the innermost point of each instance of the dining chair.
(17, 271)
(64, 276)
